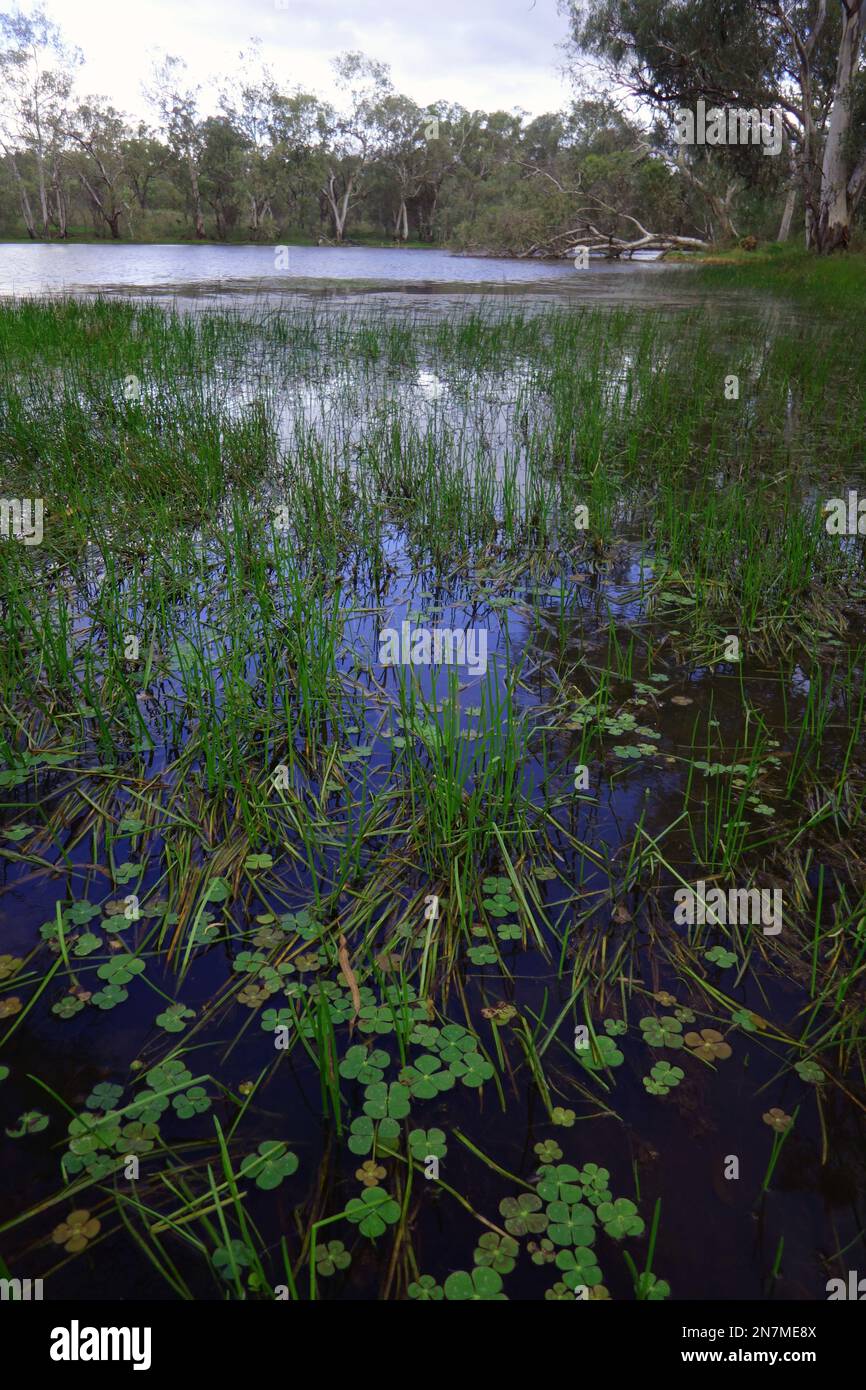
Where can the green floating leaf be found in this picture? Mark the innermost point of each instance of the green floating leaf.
(482, 1285)
(271, 1165)
(373, 1212)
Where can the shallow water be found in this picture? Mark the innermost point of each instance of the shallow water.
(716, 1238)
(434, 282)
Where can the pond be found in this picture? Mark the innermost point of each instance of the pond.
(377, 687)
(194, 276)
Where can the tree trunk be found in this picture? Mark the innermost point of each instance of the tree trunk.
(339, 209)
(198, 217)
(26, 210)
(720, 208)
(788, 214)
(833, 229)
(43, 195)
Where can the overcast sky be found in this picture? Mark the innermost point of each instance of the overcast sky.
(489, 54)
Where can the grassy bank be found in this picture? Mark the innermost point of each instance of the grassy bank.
(838, 282)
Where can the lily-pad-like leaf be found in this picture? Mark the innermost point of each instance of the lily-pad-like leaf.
(427, 1077)
(386, 1102)
(365, 1066)
(523, 1214)
(580, 1267)
(620, 1218)
(331, 1255)
(497, 1252)
(571, 1223)
(174, 1019)
(373, 1212)
(426, 1290)
(271, 1165)
(482, 1285)
(708, 1044)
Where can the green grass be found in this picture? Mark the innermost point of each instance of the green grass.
(252, 498)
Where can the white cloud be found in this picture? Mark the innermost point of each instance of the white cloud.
(489, 54)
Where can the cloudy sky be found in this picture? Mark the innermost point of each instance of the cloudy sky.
(492, 54)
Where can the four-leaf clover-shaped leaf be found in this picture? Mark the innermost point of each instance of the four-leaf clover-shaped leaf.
(523, 1214)
(580, 1267)
(662, 1032)
(361, 1065)
(331, 1256)
(571, 1223)
(174, 1018)
(427, 1077)
(560, 1183)
(382, 1101)
(483, 1285)
(373, 1211)
(195, 1101)
(601, 1052)
(426, 1290)
(472, 1068)
(809, 1071)
(273, 1162)
(429, 1143)
(662, 1077)
(497, 1252)
(718, 955)
(620, 1218)
(708, 1044)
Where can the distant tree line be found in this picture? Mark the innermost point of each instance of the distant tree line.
(276, 162)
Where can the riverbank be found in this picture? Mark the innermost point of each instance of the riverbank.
(836, 281)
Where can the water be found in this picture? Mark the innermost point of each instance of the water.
(716, 1239)
(205, 274)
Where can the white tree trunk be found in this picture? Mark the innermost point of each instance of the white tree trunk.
(833, 230)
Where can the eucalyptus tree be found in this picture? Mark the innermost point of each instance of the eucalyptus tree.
(225, 175)
(352, 136)
(177, 105)
(803, 58)
(246, 101)
(145, 158)
(97, 132)
(403, 154)
(36, 79)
